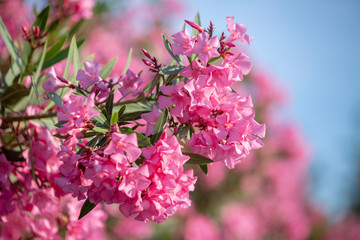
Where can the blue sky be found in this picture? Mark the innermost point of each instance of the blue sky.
(313, 48)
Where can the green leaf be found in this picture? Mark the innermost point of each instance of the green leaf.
(151, 85)
(56, 48)
(183, 132)
(15, 70)
(42, 18)
(88, 134)
(86, 208)
(127, 65)
(174, 69)
(121, 111)
(198, 22)
(73, 57)
(204, 168)
(132, 116)
(13, 94)
(37, 73)
(169, 80)
(114, 118)
(13, 50)
(197, 159)
(60, 136)
(90, 143)
(60, 55)
(100, 129)
(109, 105)
(214, 59)
(60, 124)
(55, 98)
(143, 141)
(107, 68)
(26, 52)
(159, 125)
(169, 49)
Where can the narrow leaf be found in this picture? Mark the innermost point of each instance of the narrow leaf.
(86, 208)
(174, 69)
(127, 62)
(55, 98)
(100, 130)
(69, 57)
(109, 105)
(151, 85)
(42, 18)
(198, 22)
(13, 50)
(107, 68)
(37, 73)
(121, 111)
(204, 168)
(60, 136)
(114, 118)
(197, 159)
(159, 125)
(60, 55)
(169, 49)
(56, 48)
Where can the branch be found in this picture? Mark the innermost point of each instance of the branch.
(26, 118)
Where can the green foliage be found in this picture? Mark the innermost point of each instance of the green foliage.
(56, 48)
(107, 68)
(86, 208)
(127, 65)
(42, 18)
(61, 55)
(159, 125)
(55, 98)
(170, 51)
(198, 22)
(173, 69)
(197, 159)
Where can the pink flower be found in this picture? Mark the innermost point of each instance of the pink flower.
(151, 119)
(55, 82)
(90, 76)
(76, 114)
(239, 66)
(200, 94)
(130, 83)
(184, 43)
(120, 144)
(170, 185)
(205, 47)
(237, 31)
(175, 94)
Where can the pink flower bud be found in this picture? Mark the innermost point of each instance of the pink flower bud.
(146, 53)
(194, 25)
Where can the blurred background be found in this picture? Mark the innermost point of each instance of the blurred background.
(312, 50)
(304, 184)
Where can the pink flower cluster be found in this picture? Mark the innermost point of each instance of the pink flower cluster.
(222, 119)
(149, 183)
(34, 205)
